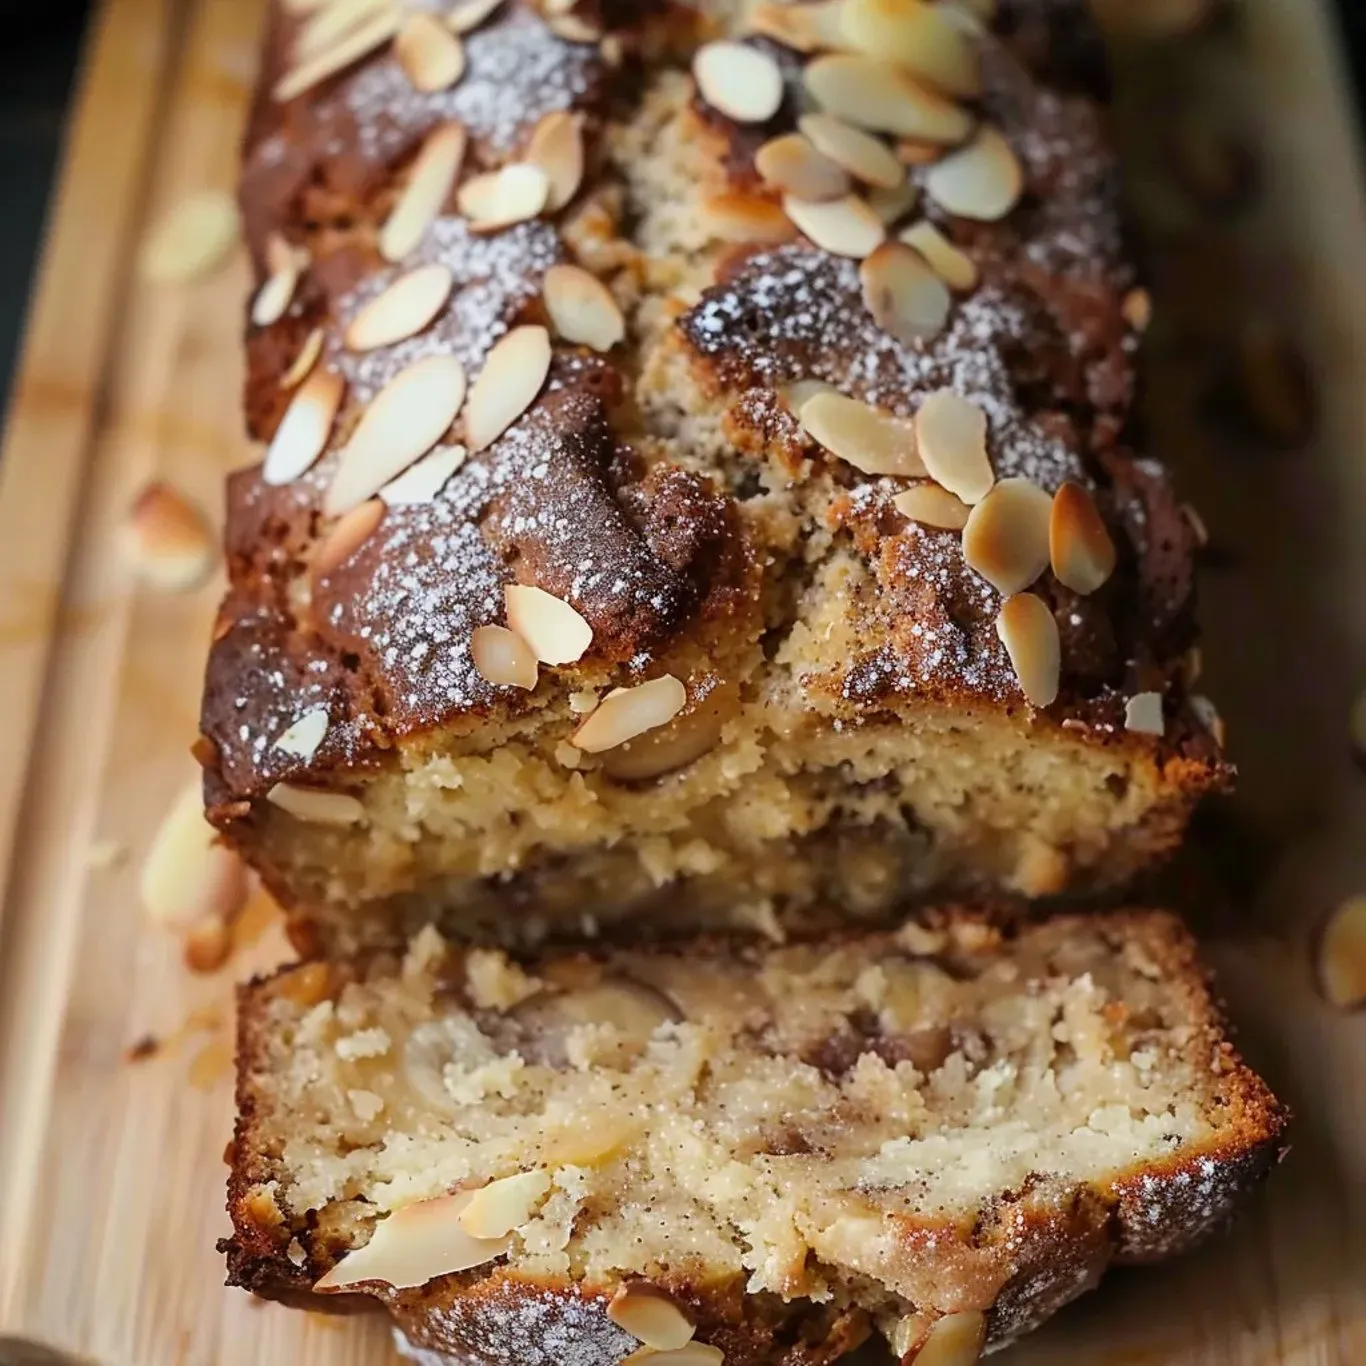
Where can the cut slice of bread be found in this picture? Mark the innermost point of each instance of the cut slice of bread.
(945, 1130)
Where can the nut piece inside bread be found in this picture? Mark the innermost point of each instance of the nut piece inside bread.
(754, 1149)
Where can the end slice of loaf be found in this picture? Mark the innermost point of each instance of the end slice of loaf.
(947, 1130)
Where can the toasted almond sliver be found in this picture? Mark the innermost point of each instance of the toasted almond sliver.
(733, 216)
(917, 152)
(791, 164)
(809, 27)
(429, 185)
(650, 1314)
(274, 297)
(208, 944)
(1137, 309)
(906, 298)
(891, 206)
(955, 1340)
(505, 1205)
(358, 43)
(693, 1354)
(415, 1245)
(917, 36)
(930, 505)
(1080, 547)
(741, 81)
(512, 377)
(168, 540)
(469, 14)
(1029, 633)
(1143, 714)
(795, 394)
(556, 632)
(582, 308)
(315, 806)
(628, 712)
(403, 422)
(982, 181)
(865, 157)
(404, 309)
(431, 55)
(302, 434)
(302, 365)
(952, 435)
(956, 268)
(187, 875)
(1005, 538)
(883, 98)
(846, 227)
(302, 738)
(424, 480)
(503, 658)
(1342, 956)
(865, 437)
(355, 527)
(192, 239)
(498, 199)
(329, 24)
(1208, 716)
(556, 146)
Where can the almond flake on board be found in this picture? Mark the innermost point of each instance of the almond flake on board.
(302, 365)
(403, 422)
(192, 239)
(917, 36)
(863, 156)
(955, 1340)
(628, 712)
(406, 307)
(1143, 714)
(906, 297)
(582, 308)
(955, 267)
(503, 1206)
(187, 875)
(844, 227)
(884, 98)
(469, 14)
(556, 632)
(1005, 538)
(305, 428)
(514, 373)
(495, 200)
(931, 505)
(1029, 633)
(359, 42)
(302, 738)
(790, 163)
(868, 438)
(651, 1315)
(805, 27)
(952, 435)
(1080, 547)
(430, 53)
(423, 481)
(744, 83)
(503, 658)
(352, 530)
(982, 180)
(430, 181)
(556, 146)
(168, 540)
(316, 807)
(1342, 956)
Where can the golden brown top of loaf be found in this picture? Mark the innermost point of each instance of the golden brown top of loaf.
(671, 553)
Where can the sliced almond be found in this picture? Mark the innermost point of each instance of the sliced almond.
(917, 36)
(891, 206)
(628, 712)
(982, 181)
(883, 98)
(1137, 309)
(1027, 629)
(305, 735)
(733, 216)
(1080, 547)
(187, 875)
(168, 540)
(865, 437)
(556, 632)
(316, 807)
(1342, 956)
(503, 658)
(917, 152)
(1208, 716)
(955, 1340)
(930, 505)
(513, 375)
(194, 238)
(505, 1205)
(276, 294)
(952, 436)
(582, 308)
(956, 268)
(741, 81)
(497, 199)
(904, 295)
(414, 1245)
(359, 42)
(694, 1354)
(355, 527)
(650, 1314)
(845, 227)
(431, 55)
(691, 734)
(302, 365)
(428, 188)
(575, 28)
(865, 157)
(406, 419)
(330, 23)
(303, 432)
(795, 395)
(804, 27)
(469, 14)
(426, 479)
(1005, 538)
(556, 146)
(208, 945)
(1143, 714)
(404, 309)
(791, 164)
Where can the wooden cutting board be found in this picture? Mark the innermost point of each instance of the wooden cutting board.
(110, 1166)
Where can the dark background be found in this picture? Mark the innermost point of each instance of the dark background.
(39, 52)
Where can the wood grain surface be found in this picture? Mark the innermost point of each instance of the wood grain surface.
(111, 1169)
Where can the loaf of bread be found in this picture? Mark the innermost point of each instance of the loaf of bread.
(645, 535)
(942, 1131)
